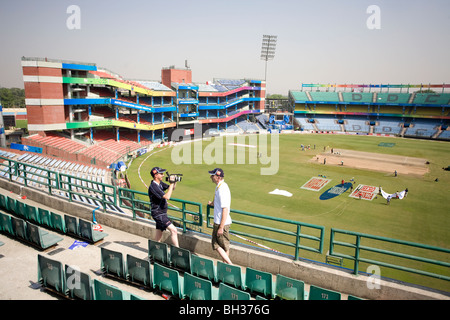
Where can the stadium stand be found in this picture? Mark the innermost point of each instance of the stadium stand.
(388, 126)
(421, 128)
(392, 98)
(141, 113)
(354, 97)
(372, 112)
(324, 123)
(324, 96)
(354, 124)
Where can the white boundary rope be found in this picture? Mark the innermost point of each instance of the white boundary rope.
(258, 244)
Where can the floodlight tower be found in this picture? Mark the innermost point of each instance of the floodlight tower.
(269, 44)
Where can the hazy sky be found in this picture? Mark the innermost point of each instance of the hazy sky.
(326, 41)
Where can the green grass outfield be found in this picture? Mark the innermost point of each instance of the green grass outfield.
(422, 217)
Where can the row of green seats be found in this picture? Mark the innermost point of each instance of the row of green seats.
(134, 269)
(177, 258)
(82, 229)
(253, 281)
(165, 279)
(61, 223)
(71, 283)
(27, 232)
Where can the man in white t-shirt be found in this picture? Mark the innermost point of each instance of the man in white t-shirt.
(222, 218)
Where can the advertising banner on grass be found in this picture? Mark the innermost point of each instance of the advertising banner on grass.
(315, 183)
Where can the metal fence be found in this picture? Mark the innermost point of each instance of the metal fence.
(379, 251)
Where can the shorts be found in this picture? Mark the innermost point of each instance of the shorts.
(162, 221)
(222, 240)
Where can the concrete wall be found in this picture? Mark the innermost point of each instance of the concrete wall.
(310, 273)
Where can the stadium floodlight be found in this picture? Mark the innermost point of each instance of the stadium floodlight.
(269, 44)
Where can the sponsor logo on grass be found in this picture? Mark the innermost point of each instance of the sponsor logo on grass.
(315, 184)
(365, 192)
(335, 191)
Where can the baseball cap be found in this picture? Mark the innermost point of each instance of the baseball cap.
(156, 170)
(217, 172)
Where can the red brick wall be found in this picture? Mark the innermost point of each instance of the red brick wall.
(44, 90)
(40, 71)
(45, 114)
(175, 75)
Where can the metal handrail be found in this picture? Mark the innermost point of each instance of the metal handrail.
(358, 247)
(297, 235)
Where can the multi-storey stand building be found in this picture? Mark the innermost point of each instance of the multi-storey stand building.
(89, 114)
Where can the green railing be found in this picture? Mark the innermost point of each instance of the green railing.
(37, 177)
(71, 184)
(356, 250)
(190, 213)
(284, 229)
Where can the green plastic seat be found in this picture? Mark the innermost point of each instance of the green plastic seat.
(79, 284)
(45, 218)
(51, 274)
(20, 228)
(3, 202)
(317, 293)
(32, 214)
(180, 258)
(87, 232)
(6, 224)
(289, 289)
(139, 271)
(230, 274)
(158, 251)
(166, 279)
(259, 282)
(58, 222)
(203, 267)
(21, 209)
(229, 293)
(112, 263)
(196, 288)
(71, 225)
(41, 238)
(11, 204)
(104, 291)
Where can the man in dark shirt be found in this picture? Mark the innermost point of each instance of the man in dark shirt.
(158, 200)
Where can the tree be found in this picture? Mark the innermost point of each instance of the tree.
(276, 96)
(12, 97)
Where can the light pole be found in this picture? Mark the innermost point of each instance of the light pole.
(269, 44)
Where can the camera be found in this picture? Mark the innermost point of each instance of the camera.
(175, 177)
